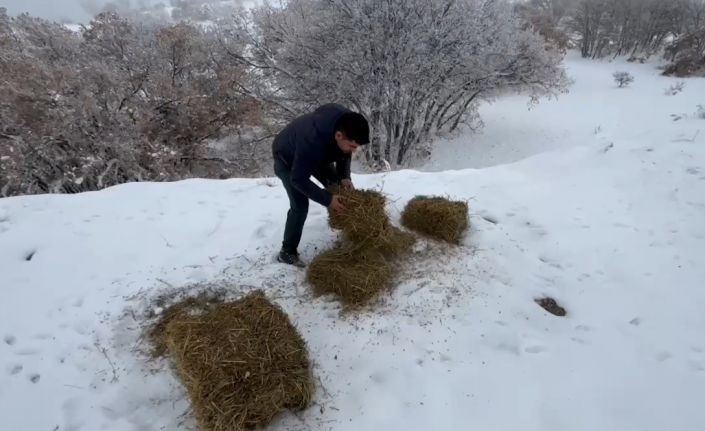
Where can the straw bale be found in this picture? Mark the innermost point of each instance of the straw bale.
(437, 217)
(241, 362)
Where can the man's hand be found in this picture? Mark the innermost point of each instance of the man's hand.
(347, 184)
(335, 205)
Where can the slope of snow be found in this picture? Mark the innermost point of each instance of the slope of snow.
(595, 107)
(613, 227)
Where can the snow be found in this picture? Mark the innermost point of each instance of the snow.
(595, 107)
(611, 224)
(76, 28)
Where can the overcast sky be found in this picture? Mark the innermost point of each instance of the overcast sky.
(74, 10)
(81, 11)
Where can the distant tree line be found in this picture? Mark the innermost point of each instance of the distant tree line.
(633, 28)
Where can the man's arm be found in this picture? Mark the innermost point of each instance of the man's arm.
(342, 167)
(305, 162)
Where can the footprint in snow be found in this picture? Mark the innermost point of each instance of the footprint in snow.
(10, 340)
(262, 230)
(34, 378)
(534, 349)
(696, 365)
(14, 369)
(662, 356)
(539, 231)
(550, 262)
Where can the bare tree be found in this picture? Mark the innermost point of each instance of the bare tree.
(631, 27)
(119, 102)
(687, 54)
(414, 68)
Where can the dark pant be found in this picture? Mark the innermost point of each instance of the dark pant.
(298, 202)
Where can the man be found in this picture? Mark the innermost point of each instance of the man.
(309, 146)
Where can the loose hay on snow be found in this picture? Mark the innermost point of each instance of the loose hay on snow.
(241, 362)
(355, 275)
(436, 217)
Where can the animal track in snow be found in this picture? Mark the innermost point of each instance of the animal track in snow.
(10, 340)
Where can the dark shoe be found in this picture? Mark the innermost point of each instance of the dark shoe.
(290, 259)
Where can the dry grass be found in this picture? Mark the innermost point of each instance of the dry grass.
(364, 217)
(188, 305)
(393, 242)
(365, 223)
(242, 362)
(360, 268)
(436, 217)
(355, 275)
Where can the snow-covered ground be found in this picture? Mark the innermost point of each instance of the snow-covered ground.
(611, 224)
(594, 108)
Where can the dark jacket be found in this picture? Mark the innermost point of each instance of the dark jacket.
(308, 143)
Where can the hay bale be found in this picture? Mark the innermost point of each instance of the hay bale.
(356, 275)
(157, 333)
(436, 217)
(241, 362)
(364, 217)
(360, 269)
(365, 222)
(393, 241)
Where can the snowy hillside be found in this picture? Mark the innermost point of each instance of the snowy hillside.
(611, 223)
(594, 109)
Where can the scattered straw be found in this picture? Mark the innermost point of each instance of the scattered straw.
(355, 275)
(436, 217)
(241, 362)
